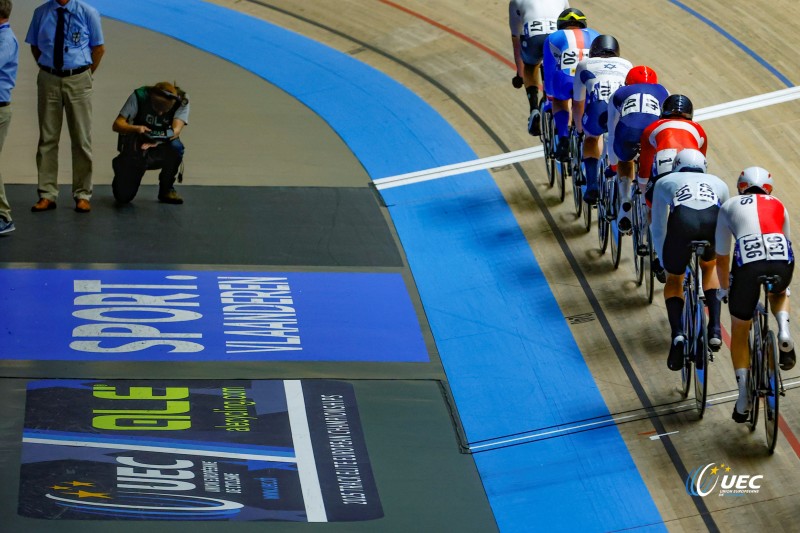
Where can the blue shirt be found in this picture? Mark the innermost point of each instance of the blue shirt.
(81, 34)
(9, 59)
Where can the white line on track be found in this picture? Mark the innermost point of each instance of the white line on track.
(517, 156)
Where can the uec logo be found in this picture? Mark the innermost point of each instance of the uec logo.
(703, 480)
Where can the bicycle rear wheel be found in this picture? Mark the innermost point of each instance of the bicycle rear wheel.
(616, 235)
(771, 376)
(687, 320)
(602, 215)
(577, 178)
(701, 360)
(755, 375)
(564, 170)
(637, 239)
(548, 133)
(587, 217)
(650, 276)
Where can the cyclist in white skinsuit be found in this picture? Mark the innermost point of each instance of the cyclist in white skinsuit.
(531, 21)
(759, 224)
(596, 80)
(686, 203)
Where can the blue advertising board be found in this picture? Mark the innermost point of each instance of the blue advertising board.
(266, 450)
(146, 315)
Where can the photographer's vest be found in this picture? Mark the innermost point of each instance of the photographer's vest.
(146, 115)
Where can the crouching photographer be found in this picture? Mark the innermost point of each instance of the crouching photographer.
(149, 127)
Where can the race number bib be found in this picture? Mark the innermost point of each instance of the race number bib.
(602, 91)
(766, 247)
(539, 27)
(641, 103)
(662, 162)
(568, 62)
(695, 192)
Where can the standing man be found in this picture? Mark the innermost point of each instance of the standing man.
(531, 21)
(67, 43)
(9, 59)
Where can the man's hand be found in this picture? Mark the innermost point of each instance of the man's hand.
(141, 130)
(722, 295)
(516, 81)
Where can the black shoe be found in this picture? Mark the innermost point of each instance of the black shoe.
(562, 149)
(658, 270)
(787, 360)
(590, 196)
(714, 339)
(170, 197)
(535, 123)
(740, 418)
(675, 358)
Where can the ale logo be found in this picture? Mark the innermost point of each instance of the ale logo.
(704, 480)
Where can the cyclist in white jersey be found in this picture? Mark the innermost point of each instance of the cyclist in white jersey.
(686, 203)
(758, 223)
(531, 21)
(596, 79)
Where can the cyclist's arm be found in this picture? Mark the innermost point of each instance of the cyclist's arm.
(786, 224)
(724, 271)
(578, 97)
(515, 42)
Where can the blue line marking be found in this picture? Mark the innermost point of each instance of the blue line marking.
(775, 72)
(511, 360)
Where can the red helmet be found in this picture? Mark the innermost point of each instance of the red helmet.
(641, 74)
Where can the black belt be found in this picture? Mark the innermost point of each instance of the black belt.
(65, 73)
(3, 104)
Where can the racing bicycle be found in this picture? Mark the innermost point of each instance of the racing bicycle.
(765, 372)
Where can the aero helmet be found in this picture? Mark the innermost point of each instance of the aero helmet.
(755, 177)
(689, 160)
(571, 17)
(604, 46)
(641, 74)
(677, 105)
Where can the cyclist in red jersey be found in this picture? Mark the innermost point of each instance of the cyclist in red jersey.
(758, 223)
(663, 139)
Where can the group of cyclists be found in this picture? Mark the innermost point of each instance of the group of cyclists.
(648, 135)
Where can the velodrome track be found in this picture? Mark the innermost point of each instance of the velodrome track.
(530, 344)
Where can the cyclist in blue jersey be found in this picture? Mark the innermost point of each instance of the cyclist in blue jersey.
(630, 111)
(563, 50)
(531, 21)
(596, 80)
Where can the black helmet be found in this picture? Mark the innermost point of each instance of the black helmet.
(677, 105)
(604, 46)
(571, 17)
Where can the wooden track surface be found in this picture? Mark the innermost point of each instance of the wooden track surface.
(471, 89)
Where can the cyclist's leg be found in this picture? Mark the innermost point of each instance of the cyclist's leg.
(742, 301)
(594, 119)
(676, 256)
(625, 170)
(740, 356)
(713, 304)
(779, 302)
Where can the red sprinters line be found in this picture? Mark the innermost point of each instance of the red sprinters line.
(451, 31)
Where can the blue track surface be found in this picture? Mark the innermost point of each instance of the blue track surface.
(509, 356)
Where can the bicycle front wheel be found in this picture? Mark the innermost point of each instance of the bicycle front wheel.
(771, 375)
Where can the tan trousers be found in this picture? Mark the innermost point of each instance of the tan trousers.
(59, 96)
(5, 121)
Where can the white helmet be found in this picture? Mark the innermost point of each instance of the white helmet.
(755, 177)
(689, 160)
